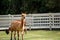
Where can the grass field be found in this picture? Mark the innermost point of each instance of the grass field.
(35, 35)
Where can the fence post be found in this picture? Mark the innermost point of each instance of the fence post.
(53, 20)
(9, 19)
(12, 18)
(30, 22)
(50, 15)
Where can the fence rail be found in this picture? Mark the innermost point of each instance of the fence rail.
(34, 21)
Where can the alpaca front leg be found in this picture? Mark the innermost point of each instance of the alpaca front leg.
(15, 35)
(22, 35)
(11, 35)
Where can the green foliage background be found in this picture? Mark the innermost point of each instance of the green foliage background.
(30, 6)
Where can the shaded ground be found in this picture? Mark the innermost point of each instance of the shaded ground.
(35, 35)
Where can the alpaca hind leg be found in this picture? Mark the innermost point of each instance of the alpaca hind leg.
(15, 35)
(18, 34)
(25, 30)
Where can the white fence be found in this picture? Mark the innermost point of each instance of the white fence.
(34, 21)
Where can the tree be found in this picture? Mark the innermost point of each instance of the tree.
(30, 6)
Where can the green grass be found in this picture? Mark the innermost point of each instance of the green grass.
(35, 35)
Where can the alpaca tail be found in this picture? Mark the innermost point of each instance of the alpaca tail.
(7, 31)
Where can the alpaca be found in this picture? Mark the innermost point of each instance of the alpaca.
(18, 26)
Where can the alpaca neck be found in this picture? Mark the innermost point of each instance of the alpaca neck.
(22, 22)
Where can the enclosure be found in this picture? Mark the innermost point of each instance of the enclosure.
(34, 21)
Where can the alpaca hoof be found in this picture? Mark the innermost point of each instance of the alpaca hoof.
(10, 39)
(15, 39)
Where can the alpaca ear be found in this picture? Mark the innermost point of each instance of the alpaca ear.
(7, 31)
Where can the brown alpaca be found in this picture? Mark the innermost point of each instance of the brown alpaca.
(18, 26)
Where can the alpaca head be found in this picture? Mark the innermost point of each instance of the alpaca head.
(23, 15)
